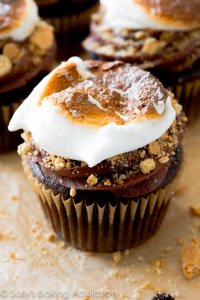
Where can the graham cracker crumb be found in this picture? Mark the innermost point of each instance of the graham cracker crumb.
(139, 34)
(23, 148)
(107, 182)
(152, 46)
(49, 237)
(181, 242)
(154, 148)
(164, 159)
(12, 51)
(12, 255)
(59, 162)
(168, 249)
(117, 257)
(195, 211)
(5, 65)
(147, 165)
(158, 263)
(127, 252)
(141, 258)
(142, 154)
(13, 197)
(92, 179)
(190, 257)
(42, 36)
(72, 192)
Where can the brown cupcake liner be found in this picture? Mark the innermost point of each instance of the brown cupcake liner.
(8, 140)
(65, 25)
(105, 228)
(188, 94)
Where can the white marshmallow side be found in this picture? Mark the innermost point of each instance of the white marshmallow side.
(127, 14)
(62, 136)
(26, 26)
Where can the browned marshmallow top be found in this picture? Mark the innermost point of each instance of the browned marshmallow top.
(111, 92)
(11, 14)
(181, 12)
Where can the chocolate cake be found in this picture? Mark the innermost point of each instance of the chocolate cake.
(107, 184)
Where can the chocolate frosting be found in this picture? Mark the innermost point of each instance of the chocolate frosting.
(138, 186)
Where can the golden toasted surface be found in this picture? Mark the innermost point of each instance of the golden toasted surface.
(112, 92)
(180, 12)
(12, 12)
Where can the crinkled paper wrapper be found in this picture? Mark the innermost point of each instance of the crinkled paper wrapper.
(103, 229)
(188, 94)
(69, 24)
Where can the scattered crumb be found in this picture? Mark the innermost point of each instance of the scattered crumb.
(92, 179)
(195, 211)
(14, 197)
(154, 148)
(140, 258)
(12, 255)
(127, 252)
(72, 192)
(117, 257)
(147, 165)
(164, 159)
(157, 263)
(190, 257)
(107, 182)
(181, 242)
(49, 237)
(168, 249)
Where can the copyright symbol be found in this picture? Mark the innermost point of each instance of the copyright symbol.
(3, 293)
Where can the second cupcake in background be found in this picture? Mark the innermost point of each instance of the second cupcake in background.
(161, 36)
(27, 53)
(102, 149)
(67, 16)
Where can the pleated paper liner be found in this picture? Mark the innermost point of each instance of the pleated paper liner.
(104, 228)
(188, 94)
(65, 25)
(8, 140)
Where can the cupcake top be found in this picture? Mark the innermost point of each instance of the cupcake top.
(27, 44)
(161, 15)
(151, 34)
(18, 19)
(91, 111)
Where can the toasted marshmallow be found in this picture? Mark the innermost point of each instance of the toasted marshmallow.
(91, 111)
(158, 15)
(18, 19)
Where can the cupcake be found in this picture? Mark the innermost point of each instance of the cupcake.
(27, 52)
(67, 16)
(102, 149)
(160, 36)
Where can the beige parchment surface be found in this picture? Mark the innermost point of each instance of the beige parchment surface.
(33, 266)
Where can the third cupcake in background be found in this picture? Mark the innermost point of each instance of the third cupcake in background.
(27, 53)
(102, 149)
(161, 36)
